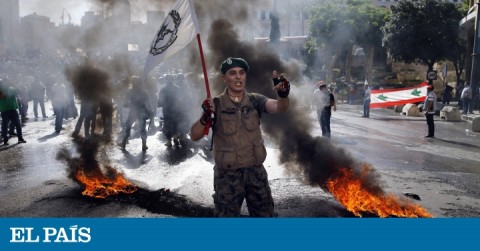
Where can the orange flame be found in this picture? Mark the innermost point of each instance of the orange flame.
(349, 190)
(97, 185)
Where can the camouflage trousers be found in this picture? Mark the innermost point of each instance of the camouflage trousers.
(233, 186)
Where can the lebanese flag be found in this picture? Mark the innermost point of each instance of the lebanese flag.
(400, 96)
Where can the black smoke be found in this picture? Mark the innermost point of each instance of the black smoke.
(222, 25)
(87, 160)
(315, 159)
(89, 82)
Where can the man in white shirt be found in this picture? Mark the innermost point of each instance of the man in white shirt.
(325, 102)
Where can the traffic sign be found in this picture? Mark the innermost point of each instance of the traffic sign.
(432, 75)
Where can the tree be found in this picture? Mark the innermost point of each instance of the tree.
(464, 7)
(368, 22)
(421, 32)
(330, 31)
(335, 28)
(458, 53)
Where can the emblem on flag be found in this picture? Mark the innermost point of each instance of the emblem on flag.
(178, 29)
(169, 27)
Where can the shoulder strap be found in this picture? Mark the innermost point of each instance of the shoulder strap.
(254, 102)
(216, 104)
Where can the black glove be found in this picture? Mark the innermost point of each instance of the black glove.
(276, 81)
(207, 113)
(284, 89)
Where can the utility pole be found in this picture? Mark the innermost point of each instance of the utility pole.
(476, 53)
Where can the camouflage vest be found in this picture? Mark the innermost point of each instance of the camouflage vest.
(237, 141)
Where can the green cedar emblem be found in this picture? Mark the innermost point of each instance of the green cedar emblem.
(382, 97)
(416, 92)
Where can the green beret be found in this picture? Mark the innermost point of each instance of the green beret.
(229, 63)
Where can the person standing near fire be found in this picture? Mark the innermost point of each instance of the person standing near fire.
(105, 108)
(175, 99)
(168, 98)
(37, 93)
(139, 104)
(88, 113)
(238, 146)
(325, 102)
(58, 95)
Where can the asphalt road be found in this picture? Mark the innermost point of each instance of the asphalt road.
(443, 173)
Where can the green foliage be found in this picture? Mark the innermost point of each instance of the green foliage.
(422, 31)
(359, 21)
(335, 26)
(464, 7)
(329, 24)
(368, 21)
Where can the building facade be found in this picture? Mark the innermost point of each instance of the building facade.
(37, 33)
(9, 26)
(387, 3)
(470, 34)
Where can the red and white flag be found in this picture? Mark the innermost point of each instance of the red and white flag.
(176, 32)
(393, 97)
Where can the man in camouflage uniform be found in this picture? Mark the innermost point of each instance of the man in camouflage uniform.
(237, 141)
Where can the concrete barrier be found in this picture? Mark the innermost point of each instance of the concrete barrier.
(398, 108)
(411, 110)
(450, 113)
(476, 124)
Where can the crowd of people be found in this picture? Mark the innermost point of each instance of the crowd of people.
(27, 84)
(18, 91)
(468, 98)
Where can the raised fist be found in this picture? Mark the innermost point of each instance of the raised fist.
(281, 85)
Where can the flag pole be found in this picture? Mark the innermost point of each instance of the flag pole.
(207, 85)
(205, 74)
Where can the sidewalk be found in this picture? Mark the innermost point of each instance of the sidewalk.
(470, 117)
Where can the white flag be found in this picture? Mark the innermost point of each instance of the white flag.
(177, 31)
